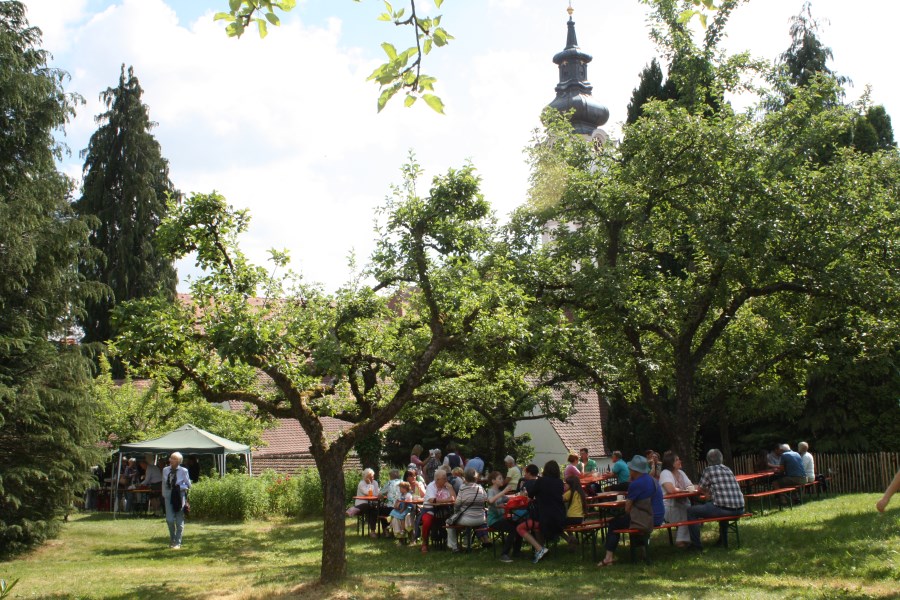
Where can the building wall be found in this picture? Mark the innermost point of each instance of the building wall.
(546, 442)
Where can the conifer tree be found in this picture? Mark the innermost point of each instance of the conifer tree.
(650, 87)
(47, 436)
(126, 184)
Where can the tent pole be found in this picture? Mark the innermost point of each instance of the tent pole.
(115, 482)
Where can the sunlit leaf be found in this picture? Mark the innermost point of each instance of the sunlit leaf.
(389, 50)
(436, 104)
(386, 95)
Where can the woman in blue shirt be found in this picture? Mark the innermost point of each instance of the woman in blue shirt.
(176, 482)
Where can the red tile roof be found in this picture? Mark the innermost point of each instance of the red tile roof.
(584, 427)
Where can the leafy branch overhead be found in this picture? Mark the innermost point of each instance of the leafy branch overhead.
(243, 13)
(403, 69)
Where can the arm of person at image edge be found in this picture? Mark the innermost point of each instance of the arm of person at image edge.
(893, 488)
(645, 486)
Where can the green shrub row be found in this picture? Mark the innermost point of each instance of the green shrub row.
(239, 497)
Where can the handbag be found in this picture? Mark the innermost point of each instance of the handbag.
(642, 515)
(457, 514)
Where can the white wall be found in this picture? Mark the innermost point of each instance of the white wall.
(547, 445)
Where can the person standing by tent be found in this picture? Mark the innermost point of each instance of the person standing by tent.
(176, 483)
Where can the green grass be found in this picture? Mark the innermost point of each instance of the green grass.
(839, 547)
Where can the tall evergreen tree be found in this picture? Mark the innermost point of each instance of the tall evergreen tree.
(126, 184)
(807, 58)
(47, 434)
(807, 55)
(650, 87)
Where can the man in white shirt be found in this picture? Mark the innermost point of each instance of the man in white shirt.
(809, 464)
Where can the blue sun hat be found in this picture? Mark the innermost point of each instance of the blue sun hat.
(639, 463)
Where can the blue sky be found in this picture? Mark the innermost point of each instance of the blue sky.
(287, 126)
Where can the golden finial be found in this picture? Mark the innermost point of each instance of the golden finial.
(570, 10)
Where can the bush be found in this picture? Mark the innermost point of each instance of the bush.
(238, 497)
(235, 497)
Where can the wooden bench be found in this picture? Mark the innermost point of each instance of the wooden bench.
(767, 496)
(587, 532)
(732, 521)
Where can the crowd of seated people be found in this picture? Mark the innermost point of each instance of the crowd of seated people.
(535, 506)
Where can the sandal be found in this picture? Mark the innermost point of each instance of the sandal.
(606, 563)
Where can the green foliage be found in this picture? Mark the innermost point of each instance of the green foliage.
(124, 195)
(696, 250)
(807, 56)
(131, 413)
(650, 87)
(361, 354)
(235, 497)
(239, 497)
(47, 431)
(403, 70)
(243, 13)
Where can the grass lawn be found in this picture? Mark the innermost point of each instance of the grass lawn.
(838, 547)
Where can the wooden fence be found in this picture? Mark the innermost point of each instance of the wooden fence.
(870, 472)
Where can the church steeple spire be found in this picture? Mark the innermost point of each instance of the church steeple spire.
(574, 91)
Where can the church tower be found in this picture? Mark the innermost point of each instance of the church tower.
(574, 91)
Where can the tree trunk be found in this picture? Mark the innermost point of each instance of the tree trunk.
(499, 446)
(725, 436)
(334, 558)
(684, 433)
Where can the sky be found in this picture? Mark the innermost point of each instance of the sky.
(287, 126)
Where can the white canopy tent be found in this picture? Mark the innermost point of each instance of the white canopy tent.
(187, 440)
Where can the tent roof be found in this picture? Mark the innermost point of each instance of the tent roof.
(188, 439)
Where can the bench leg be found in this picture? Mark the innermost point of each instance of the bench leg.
(639, 541)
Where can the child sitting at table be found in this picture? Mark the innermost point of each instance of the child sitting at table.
(401, 516)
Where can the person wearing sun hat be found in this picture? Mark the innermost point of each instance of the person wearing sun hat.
(642, 488)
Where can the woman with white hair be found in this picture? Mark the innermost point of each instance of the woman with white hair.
(175, 483)
(367, 487)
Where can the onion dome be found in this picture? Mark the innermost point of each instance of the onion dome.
(574, 90)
